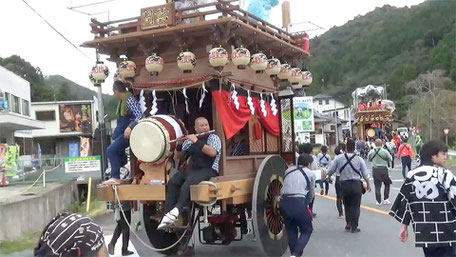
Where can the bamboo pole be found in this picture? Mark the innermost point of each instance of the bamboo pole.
(89, 193)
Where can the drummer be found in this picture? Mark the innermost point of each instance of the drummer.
(129, 114)
(205, 154)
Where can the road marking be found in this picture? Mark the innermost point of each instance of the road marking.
(362, 206)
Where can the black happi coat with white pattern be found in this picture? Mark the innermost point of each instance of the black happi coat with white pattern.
(427, 200)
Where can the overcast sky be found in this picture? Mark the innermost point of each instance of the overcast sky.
(25, 34)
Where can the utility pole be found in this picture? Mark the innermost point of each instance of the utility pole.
(335, 122)
(430, 124)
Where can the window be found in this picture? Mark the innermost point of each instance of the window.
(320, 102)
(15, 104)
(8, 101)
(25, 107)
(45, 115)
(327, 101)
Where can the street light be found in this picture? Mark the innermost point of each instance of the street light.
(446, 131)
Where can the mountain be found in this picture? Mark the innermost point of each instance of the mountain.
(389, 46)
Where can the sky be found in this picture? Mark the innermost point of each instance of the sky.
(27, 35)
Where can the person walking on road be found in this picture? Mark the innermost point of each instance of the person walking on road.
(405, 153)
(380, 159)
(340, 149)
(427, 200)
(323, 161)
(391, 147)
(352, 170)
(297, 191)
(308, 149)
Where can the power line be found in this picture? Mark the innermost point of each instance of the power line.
(58, 32)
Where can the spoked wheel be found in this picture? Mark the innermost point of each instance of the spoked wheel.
(158, 238)
(268, 224)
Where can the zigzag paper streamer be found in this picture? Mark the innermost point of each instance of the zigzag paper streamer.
(250, 103)
(273, 105)
(203, 95)
(154, 109)
(186, 100)
(142, 102)
(263, 106)
(235, 98)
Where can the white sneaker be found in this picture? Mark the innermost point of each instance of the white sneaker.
(386, 201)
(169, 219)
(378, 204)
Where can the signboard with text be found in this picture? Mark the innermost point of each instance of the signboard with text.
(82, 164)
(157, 16)
(303, 114)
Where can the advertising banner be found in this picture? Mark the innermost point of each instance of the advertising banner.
(303, 114)
(83, 164)
(75, 118)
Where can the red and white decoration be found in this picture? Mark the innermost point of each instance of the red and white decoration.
(127, 69)
(142, 102)
(99, 73)
(273, 105)
(234, 97)
(186, 61)
(295, 78)
(285, 71)
(273, 67)
(263, 106)
(250, 103)
(154, 64)
(259, 62)
(218, 57)
(306, 78)
(240, 57)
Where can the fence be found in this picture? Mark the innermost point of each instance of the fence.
(56, 169)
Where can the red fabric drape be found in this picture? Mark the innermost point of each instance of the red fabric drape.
(234, 120)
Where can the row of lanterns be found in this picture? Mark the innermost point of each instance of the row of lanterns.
(218, 58)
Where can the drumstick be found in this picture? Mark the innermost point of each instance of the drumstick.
(198, 135)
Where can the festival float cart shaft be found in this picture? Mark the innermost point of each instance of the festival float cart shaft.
(185, 63)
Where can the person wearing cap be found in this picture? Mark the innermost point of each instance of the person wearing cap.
(380, 158)
(70, 235)
(352, 169)
(297, 191)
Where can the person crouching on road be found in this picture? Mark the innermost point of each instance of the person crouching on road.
(380, 158)
(352, 170)
(427, 199)
(297, 192)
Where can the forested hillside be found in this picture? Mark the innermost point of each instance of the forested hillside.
(387, 46)
(54, 87)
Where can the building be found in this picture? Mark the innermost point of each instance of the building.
(67, 124)
(15, 112)
(328, 107)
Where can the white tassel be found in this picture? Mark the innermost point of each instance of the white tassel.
(142, 102)
(154, 109)
(250, 102)
(235, 97)
(203, 95)
(186, 100)
(273, 105)
(263, 106)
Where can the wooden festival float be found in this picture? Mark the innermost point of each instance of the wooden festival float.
(372, 109)
(185, 63)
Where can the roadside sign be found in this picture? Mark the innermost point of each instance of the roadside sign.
(83, 164)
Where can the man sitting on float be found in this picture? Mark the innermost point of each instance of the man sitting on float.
(205, 154)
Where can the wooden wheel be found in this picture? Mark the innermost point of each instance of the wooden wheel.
(158, 238)
(268, 224)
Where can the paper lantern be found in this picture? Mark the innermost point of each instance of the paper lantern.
(259, 62)
(186, 61)
(127, 69)
(240, 57)
(306, 78)
(285, 71)
(99, 73)
(273, 67)
(295, 78)
(154, 64)
(218, 57)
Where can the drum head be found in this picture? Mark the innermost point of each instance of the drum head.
(147, 141)
(371, 133)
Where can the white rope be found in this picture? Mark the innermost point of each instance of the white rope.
(250, 102)
(134, 233)
(154, 109)
(273, 105)
(235, 97)
(203, 94)
(263, 106)
(142, 102)
(184, 92)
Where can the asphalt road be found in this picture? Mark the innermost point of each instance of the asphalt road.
(379, 234)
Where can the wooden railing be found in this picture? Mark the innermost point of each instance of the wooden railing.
(225, 8)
